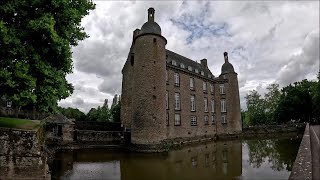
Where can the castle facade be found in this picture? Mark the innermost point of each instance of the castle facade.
(166, 96)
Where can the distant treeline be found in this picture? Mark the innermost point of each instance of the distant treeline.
(297, 102)
(100, 114)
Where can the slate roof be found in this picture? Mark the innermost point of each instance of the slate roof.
(172, 56)
(150, 27)
(226, 68)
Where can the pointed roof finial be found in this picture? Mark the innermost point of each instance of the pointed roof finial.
(225, 54)
(151, 14)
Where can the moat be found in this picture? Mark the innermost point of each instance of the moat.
(236, 159)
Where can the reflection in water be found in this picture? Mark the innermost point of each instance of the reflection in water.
(280, 153)
(215, 160)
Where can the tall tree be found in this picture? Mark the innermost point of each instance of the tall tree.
(295, 102)
(256, 108)
(36, 37)
(271, 98)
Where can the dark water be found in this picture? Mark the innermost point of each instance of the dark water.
(249, 159)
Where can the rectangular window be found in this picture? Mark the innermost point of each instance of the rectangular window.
(177, 101)
(222, 91)
(223, 119)
(193, 120)
(177, 120)
(167, 119)
(223, 105)
(176, 79)
(191, 83)
(206, 120)
(9, 104)
(167, 80)
(211, 88)
(193, 103)
(174, 63)
(167, 100)
(205, 105)
(204, 86)
(212, 105)
(213, 119)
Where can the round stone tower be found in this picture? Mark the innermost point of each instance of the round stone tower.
(149, 85)
(234, 122)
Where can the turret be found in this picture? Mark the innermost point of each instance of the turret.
(149, 85)
(233, 113)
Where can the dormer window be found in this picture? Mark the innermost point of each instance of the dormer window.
(209, 76)
(196, 70)
(202, 73)
(174, 63)
(182, 65)
(189, 68)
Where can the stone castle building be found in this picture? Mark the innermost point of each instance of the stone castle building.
(166, 96)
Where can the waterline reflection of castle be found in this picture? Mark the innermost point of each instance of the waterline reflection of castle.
(218, 160)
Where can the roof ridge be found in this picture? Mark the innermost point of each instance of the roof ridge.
(188, 61)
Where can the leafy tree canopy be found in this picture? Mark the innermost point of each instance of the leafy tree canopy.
(72, 113)
(298, 102)
(36, 37)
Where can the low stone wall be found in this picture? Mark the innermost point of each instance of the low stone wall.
(99, 137)
(274, 129)
(98, 126)
(302, 167)
(22, 155)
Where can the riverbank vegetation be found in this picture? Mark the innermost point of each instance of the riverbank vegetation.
(297, 102)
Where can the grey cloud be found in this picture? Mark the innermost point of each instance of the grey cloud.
(78, 101)
(111, 85)
(303, 63)
(88, 91)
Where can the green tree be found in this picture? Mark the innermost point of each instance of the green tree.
(36, 37)
(92, 115)
(115, 108)
(115, 112)
(100, 114)
(271, 99)
(295, 102)
(256, 108)
(72, 113)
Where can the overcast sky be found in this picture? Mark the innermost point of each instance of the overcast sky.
(267, 42)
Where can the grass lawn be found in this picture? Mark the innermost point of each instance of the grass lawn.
(18, 123)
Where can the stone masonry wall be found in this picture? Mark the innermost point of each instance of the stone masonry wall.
(21, 155)
(186, 129)
(234, 123)
(108, 137)
(149, 90)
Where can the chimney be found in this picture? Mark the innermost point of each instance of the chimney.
(204, 62)
(225, 54)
